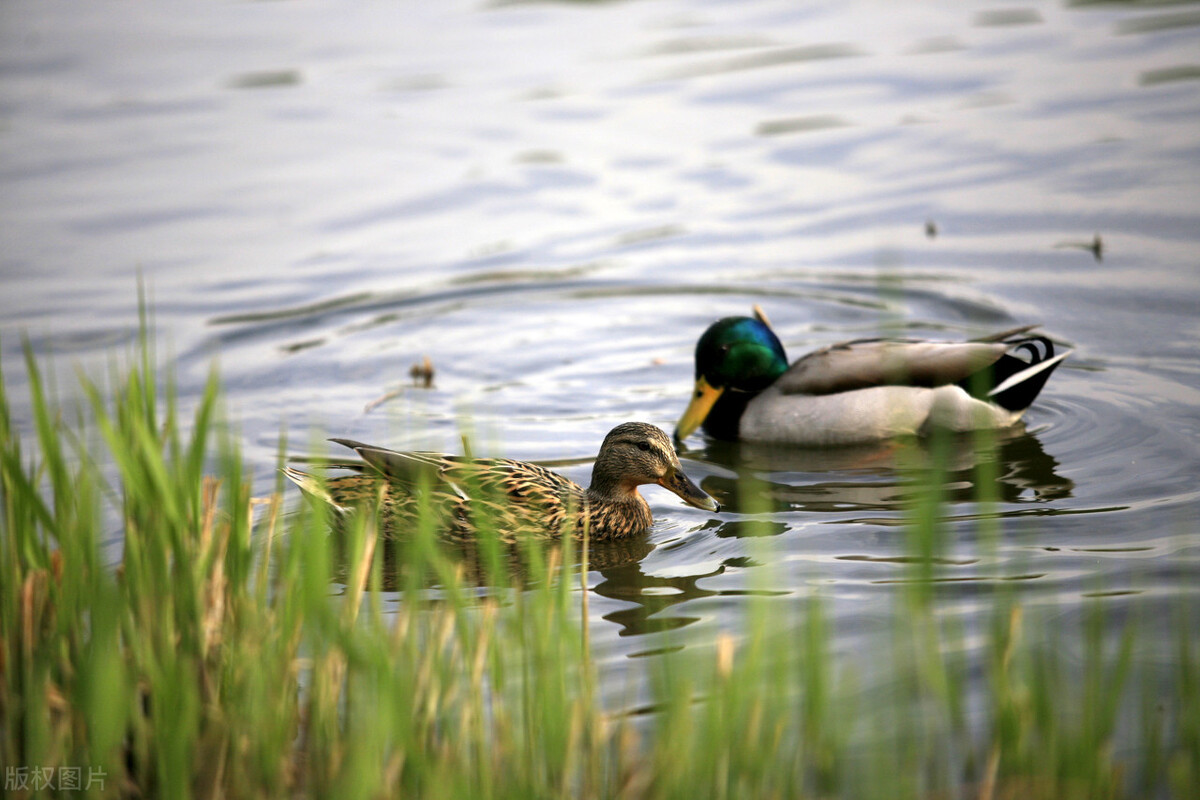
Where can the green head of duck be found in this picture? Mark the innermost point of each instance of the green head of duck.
(736, 358)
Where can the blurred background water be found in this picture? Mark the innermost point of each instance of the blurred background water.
(551, 201)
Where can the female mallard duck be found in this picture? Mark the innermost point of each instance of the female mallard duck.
(860, 391)
(512, 496)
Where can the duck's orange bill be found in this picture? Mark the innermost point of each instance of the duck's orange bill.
(703, 399)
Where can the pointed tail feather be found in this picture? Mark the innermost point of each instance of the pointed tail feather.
(311, 486)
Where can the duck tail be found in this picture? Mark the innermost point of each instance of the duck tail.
(1014, 381)
(310, 486)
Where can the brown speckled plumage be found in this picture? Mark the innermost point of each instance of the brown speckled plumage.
(511, 497)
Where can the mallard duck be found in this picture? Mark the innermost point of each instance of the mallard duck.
(860, 391)
(512, 496)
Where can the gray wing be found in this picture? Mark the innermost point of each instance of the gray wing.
(874, 362)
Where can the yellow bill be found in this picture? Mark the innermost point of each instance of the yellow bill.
(703, 399)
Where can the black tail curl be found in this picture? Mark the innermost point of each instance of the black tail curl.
(1024, 355)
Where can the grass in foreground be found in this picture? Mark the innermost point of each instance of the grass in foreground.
(220, 658)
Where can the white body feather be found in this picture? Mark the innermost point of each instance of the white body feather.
(865, 415)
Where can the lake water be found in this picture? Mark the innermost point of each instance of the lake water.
(552, 201)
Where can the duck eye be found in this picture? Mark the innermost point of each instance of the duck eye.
(644, 447)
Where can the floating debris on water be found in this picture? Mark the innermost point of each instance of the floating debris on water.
(422, 378)
(265, 79)
(422, 374)
(1095, 247)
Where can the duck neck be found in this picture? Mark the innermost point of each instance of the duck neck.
(726, 414)
(606, 489)
(745, 357)
(606, 501)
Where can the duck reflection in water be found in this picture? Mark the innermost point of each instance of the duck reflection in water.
(508, 565)
(877, 478)
(644, 597)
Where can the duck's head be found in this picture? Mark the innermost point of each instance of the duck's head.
(635, 453)
(735, 354)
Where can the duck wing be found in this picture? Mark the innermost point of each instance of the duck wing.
(864, 363)
(408, 468)
(465, 476)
